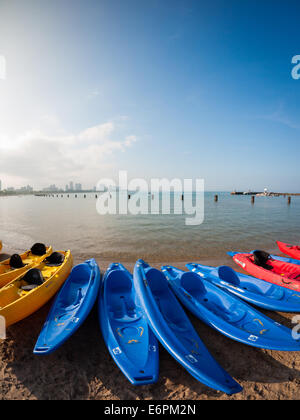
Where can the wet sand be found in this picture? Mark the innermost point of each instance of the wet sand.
(83, 369)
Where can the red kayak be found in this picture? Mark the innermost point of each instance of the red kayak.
(291, 250)
(261, 265)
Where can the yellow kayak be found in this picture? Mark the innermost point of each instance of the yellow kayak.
(13, 267)
(30, 291)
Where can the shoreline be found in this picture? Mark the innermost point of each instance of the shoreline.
(104, 262)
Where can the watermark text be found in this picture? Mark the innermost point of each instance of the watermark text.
(156, 197)
(2, 67)
(296, 68)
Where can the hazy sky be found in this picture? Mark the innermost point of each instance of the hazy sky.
(160, 88)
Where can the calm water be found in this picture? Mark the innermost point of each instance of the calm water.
(231, 224)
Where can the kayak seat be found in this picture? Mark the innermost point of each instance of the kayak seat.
(165, 300)
(33, 277)
(170, 315)
(275, 292)
(119, 291)
(250, 287)
(192, 283)
(75, 289)
(214, 305)
(233, 314)
(70, 302)
(118, 282)
(236, 314)
(16, 262)
(55, 259)
(29, 287)
(122, 308)
(81, 274)
(130, 307)
(157, 281)
(228, 274)
(261, 259)
(38, 249)
(73, 298)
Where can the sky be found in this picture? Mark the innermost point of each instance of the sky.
(160, 88)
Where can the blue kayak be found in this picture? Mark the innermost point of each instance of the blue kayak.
(258, 292)
(227, 313)
(175, 332)
(71, 307)
(130, 341)
(275, 257)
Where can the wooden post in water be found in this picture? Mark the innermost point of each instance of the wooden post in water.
(216, 198)
(182, 197)
(252, 199)
(289, 200)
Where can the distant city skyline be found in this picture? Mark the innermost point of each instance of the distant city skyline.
(27, 188)
(77, 187)
(50, 188)
(68, 188)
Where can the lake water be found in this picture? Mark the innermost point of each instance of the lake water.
(73, 223)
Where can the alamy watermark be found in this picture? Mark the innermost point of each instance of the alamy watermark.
(159, 196)
(2, 328)
(296, 329)
(296, 68)
(2, 67)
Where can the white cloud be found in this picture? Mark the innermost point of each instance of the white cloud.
(98, 133)
(41, 159)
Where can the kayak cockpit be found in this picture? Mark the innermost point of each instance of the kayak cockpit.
(119, 292)
(264, 260)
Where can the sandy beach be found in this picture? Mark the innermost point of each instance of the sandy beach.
(166, 131)
(83, 369)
